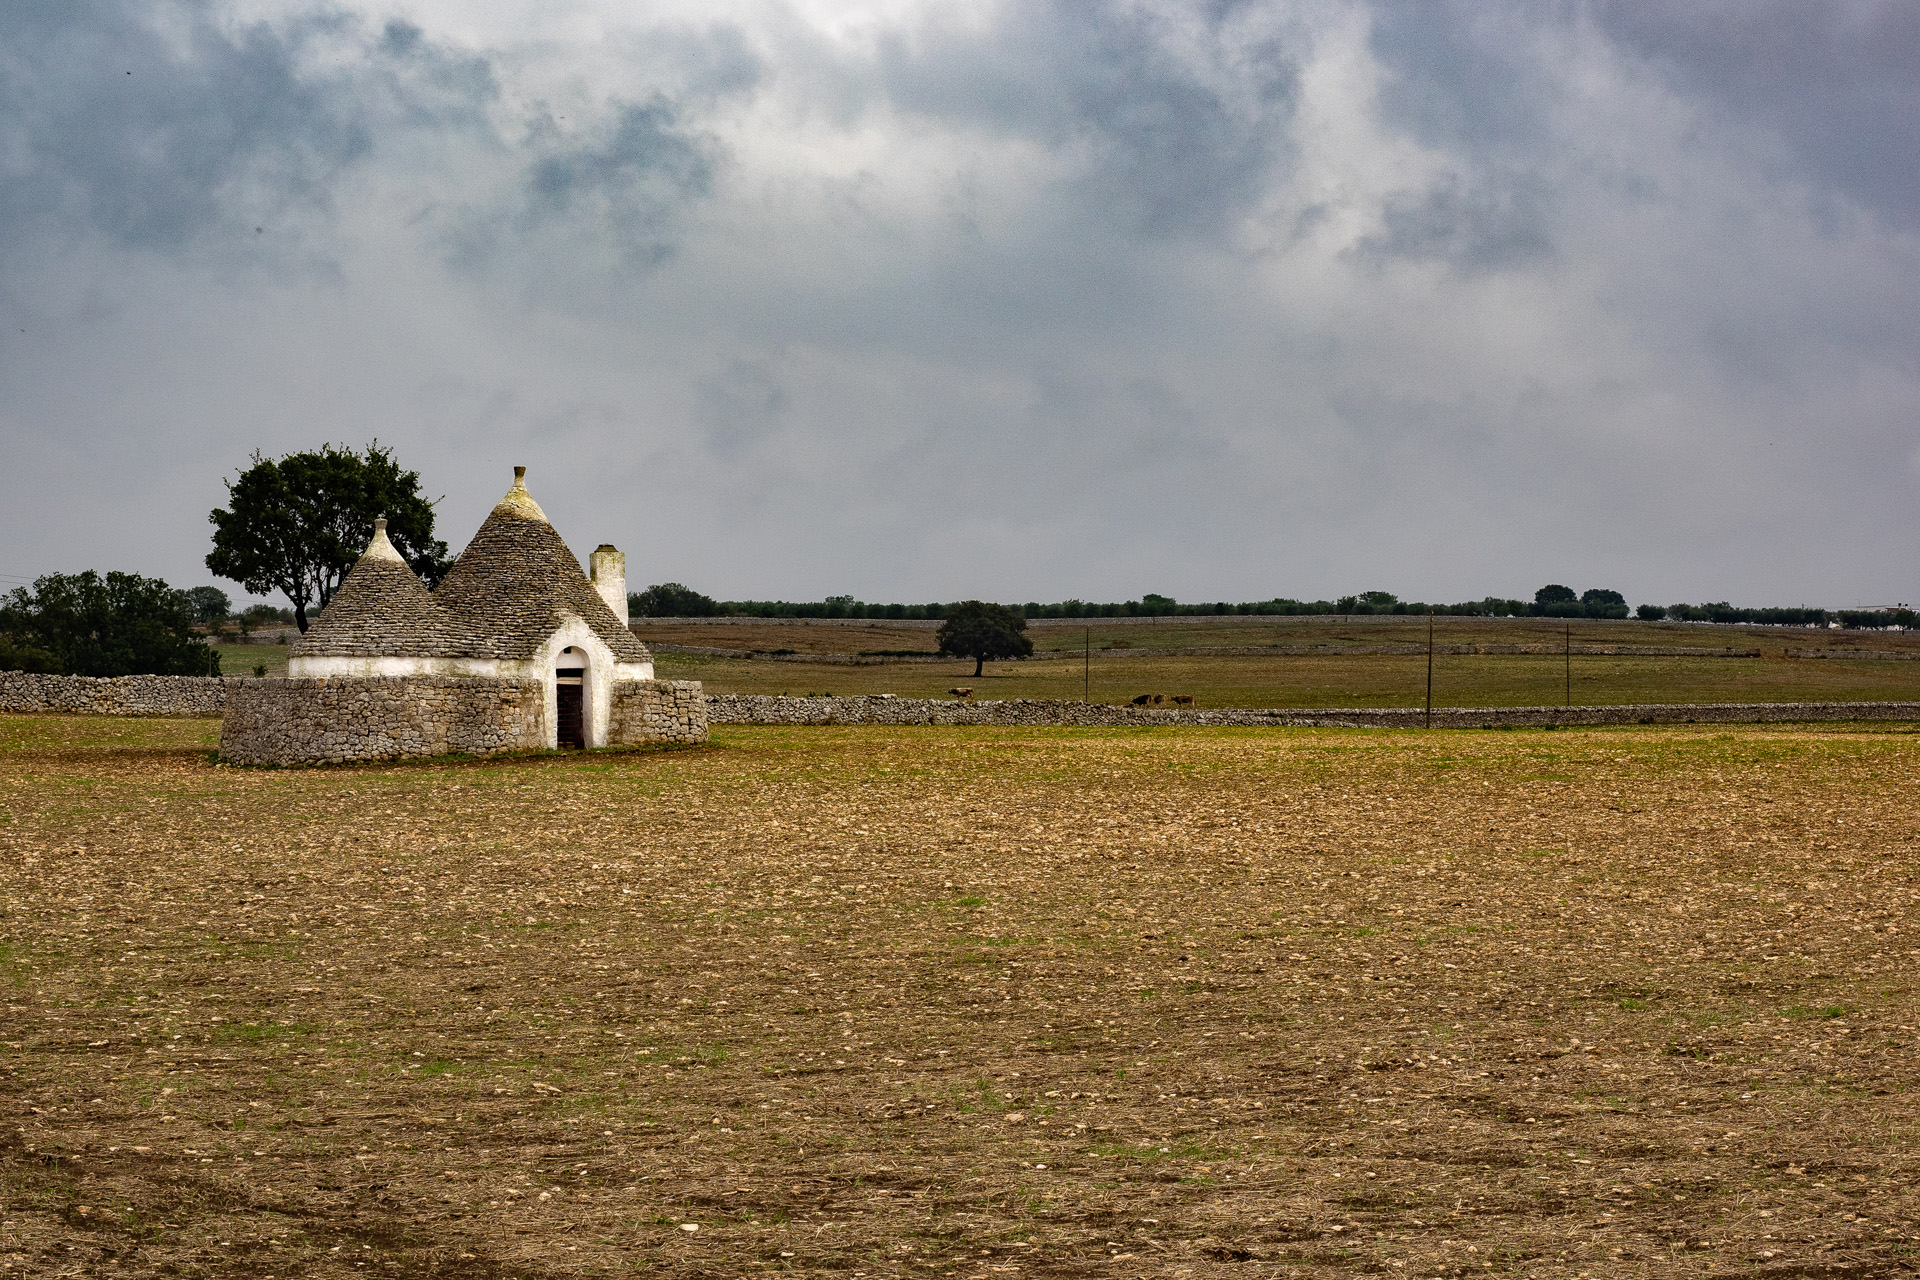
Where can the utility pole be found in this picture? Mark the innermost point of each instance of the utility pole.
(1429, 668)
(1086, 685)
(1569, 657)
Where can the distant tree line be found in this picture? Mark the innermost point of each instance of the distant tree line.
(674, 600)
(214, 611)
(1801, 617)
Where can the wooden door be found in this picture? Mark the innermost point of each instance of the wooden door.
(573, 721)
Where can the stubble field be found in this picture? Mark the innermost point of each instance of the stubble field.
(979, 1003)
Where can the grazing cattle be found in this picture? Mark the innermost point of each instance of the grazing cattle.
(1143, 700)
(1158, 699)
(1182, 699)
(961, 693)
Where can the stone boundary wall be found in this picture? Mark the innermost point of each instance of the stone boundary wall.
(672, 710)
(1859, 655)
(657, 711)
(335, 721)
(117, 695)
(761, 709)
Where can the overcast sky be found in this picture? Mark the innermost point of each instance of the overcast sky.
(1018, 300)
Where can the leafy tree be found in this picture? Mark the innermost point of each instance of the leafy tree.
(1597, 602)
(297, 524)
(209, 604)
(671, 600)
(120, 625)
(1556, 601)
(1651, 612)
(982, 631)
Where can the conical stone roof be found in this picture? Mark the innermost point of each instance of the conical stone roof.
(382, 610)
(517, 578)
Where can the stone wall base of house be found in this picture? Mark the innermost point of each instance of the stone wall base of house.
(339, 720)
(657, 711)
(335, 721)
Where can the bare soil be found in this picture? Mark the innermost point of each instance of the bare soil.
(971, 1003)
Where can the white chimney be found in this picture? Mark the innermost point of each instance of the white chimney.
(607, 569)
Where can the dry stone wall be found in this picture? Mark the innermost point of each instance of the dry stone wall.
(657, 711)
(295, 722)
(117, 695)
(880, 709)
(676, 711)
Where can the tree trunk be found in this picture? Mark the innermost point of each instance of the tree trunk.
(300, 615)
(978, 664)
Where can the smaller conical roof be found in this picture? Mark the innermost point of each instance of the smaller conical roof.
(382, 610)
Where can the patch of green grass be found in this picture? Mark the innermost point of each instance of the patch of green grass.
(1822, 1011)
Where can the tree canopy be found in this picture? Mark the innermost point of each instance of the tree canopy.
(209, 604)
(84, 625)
(671, 600)
(296, 524)
(974, 629)
(1602, 603)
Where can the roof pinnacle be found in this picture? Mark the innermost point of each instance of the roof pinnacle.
(378, 547)
(519, 501)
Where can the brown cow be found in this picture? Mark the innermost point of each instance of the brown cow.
(1182, 699)
(1143, 700)
(961, 693)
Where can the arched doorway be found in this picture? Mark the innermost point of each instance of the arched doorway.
(570, 697)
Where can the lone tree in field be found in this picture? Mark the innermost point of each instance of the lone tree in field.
(81, 624)
(982, 631)
(296, 525)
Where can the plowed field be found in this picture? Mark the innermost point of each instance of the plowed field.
(970, 1003)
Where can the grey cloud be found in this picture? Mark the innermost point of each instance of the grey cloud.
(1459, 73)
(739, 406)
(1460, 77)
(430, 86)
(165, 128)
(1836, 82)
(715, 61)
(156, 137)
(1496, 222)
(746, 324)
(1173, 144)
(643, 167)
